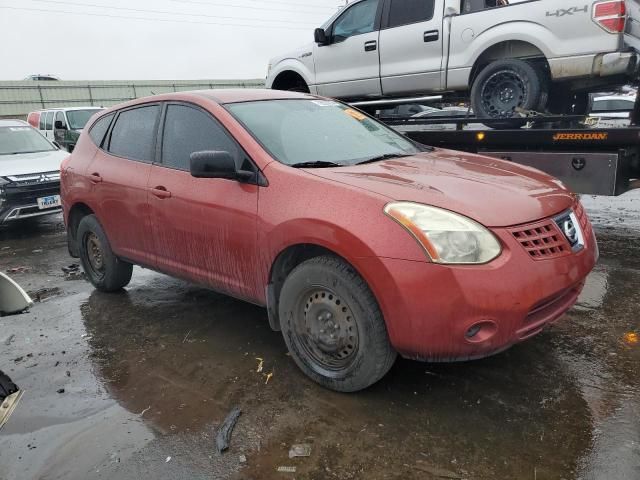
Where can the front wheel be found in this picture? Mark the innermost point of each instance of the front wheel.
(333, 326)
(103, 269)
(505, 86)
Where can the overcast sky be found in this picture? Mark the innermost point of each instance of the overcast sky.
(135, 39)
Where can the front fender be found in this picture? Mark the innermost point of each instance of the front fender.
(293, 65)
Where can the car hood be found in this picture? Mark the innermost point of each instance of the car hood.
(493, 192)
(26, 163)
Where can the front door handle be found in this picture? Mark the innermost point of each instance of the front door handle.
(95, 178)
(161, 192)
(431, 36)
(370, 46)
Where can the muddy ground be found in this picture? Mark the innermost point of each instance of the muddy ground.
(133, 385)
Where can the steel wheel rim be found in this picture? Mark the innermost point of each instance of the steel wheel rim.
(502, 93)
(326, 330)
(95, 254)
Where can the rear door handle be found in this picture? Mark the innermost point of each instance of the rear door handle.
(161, 192)
(431, 36)
(95, 178)
(370, 46)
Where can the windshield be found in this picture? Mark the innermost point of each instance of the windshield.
(307, 131)
(15, 140)
(79, 118)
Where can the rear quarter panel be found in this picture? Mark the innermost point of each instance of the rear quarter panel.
(542, 23)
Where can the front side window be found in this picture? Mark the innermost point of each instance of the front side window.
(404, 12)
(79, 118)
(16, 140)
(49, 121)
(133, 135)
(60, 118)
(99, 129)
(188, 130)
(359, 19)
(303, 131)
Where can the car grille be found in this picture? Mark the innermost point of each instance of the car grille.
(546, 240)
(542, 240)
(548, 311)
(26, 189)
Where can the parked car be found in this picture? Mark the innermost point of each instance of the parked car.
(33, 119)
(360, 243)
(29, 172)
(504, 54)
(612, 110)
(39, 77)
(63, 125)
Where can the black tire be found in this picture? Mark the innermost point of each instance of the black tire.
(103, 269)
(324, 298)
(7, 387)
(504, 85)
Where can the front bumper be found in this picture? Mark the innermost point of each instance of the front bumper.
(12, 213)
(20, 199)
(429, 309)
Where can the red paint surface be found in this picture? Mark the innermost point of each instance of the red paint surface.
(227, 235)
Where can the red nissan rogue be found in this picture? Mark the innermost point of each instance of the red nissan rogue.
(360, 243)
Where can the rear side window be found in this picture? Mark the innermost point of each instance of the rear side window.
(49, 121)
(133, 135)
(404, 12)
(42, 120)
(188, 130)
(99, 129)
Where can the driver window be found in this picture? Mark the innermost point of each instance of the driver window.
(359, 19)
(60, 118)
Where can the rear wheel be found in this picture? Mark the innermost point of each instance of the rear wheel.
(103, 269)
(505, 86)
(333, 326)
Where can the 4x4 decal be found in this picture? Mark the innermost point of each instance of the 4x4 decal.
(561, 12)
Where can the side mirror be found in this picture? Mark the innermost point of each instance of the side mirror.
(58, 125)
(212, 164)
(320, 36)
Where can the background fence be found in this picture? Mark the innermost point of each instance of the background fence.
(17, 99)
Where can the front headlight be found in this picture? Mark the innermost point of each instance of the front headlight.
(447, 237)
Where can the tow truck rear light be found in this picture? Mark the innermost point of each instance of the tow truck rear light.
(611, 16)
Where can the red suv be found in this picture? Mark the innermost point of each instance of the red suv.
(360, 243)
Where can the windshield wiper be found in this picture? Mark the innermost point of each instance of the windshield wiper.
(386, 156)
(316, 164)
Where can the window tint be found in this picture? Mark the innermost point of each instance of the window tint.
(42, 117)
(49, 121)
(60, 118)
(361, 18)
(188, 130)
(403, 12)
(100, 128)
(133, 134)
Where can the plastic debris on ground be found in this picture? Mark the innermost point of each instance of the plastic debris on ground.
(300, 450)
(223, 437)
(286, 469)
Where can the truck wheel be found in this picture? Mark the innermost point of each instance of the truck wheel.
(103, 269)
(333, 326)
(505, 85)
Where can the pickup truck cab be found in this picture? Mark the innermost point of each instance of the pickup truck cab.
(505, 54)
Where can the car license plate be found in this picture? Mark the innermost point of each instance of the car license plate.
(51, 201)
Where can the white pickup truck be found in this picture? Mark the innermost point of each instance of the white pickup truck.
(502, 54)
